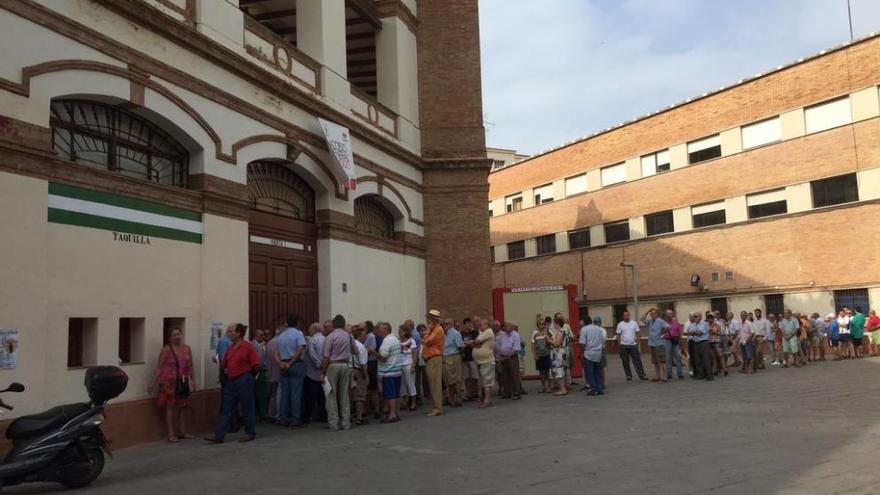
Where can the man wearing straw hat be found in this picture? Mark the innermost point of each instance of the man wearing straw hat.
(432, 352)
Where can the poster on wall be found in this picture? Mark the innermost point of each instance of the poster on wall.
(9, 343)
(216, 333)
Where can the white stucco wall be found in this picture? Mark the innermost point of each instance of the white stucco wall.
(380, 285)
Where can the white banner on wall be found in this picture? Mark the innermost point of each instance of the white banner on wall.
(339, 142)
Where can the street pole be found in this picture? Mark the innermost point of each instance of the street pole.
(635, 286)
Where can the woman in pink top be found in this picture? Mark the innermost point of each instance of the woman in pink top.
(175, 363)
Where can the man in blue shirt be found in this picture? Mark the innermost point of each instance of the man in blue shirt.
(657, 329)
(452, 346)
(698, 331)
(289, 352)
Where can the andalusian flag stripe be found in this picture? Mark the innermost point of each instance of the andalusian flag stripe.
(56, 189)
(74, 218)
(75, 206)
(136, 216)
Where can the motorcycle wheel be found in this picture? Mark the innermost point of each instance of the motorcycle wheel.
(83, 472)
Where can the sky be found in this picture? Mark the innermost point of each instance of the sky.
(558, 70)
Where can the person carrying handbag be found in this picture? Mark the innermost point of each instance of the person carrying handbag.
(175, 378)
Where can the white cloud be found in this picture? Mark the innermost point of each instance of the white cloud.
(557, 70)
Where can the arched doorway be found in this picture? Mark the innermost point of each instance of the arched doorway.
(283, 245)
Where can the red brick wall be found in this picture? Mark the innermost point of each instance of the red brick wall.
(829, 248)
(455, 179)
(824, 154)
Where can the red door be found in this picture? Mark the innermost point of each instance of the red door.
(283, 270)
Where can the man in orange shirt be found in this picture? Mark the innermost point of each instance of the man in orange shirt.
(432, 352)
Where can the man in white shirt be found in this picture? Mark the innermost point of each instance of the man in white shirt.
(592, 340)
(762, 328)
(627, 334)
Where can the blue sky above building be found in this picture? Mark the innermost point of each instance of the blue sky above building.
(558, 70)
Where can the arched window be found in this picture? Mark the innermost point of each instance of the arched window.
(372, 218)
(274, 188)
(108, 137)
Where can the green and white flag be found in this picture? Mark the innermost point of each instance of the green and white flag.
(86, 208)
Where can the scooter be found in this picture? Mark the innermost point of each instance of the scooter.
(64, 444)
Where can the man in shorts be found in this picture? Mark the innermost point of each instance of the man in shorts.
(790, 328)
(359, 375)
(657, 329)
(873, 329)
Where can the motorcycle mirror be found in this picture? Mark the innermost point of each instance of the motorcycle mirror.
(14, 387)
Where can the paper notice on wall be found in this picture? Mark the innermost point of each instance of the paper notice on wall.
(215, 334)
(339, 143)
(8, 353)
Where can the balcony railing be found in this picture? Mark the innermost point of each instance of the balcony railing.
(276, 52)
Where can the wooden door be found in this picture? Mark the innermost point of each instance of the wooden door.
(283, 270)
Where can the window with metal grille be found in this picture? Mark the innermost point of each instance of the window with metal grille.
(774, 304)
(768, 209)
(274, 188)
(547, 244)
(852, 298)
(617, 232)
(719, 304)
(704, 149)
(372, 218)
(659, 223)
(717, 217)
(578, 239)
(516, 250)
(835, 190)
(108, 137)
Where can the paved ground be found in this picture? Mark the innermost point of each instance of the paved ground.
(813, 430)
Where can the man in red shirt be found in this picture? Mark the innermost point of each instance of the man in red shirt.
(239, 365)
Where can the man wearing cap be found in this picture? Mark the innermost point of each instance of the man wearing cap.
(592, 339)
(432, 352)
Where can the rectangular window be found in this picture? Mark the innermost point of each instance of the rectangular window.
(655, 163)
(719, 304)
(767, 203)
(491, 213)
(578, 239)
(547, 244)
(760, 133)
(613, 174)
(617, 232)
(131, 340)
(576, 185)
(827, 115)
(82, 342)
(516, 250)
(617, 311)
(659, 223)
(774, 304)
(704, 149)
(708, 214)
(513, 203)
(543, 194)
(492, 254)
(496, 164)
(835, 190)
(851, 298)
(169, 324)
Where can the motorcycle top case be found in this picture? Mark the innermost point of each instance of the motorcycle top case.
(105, 382)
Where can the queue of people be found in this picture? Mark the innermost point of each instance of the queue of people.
(342, 374)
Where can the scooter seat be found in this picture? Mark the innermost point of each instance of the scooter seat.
(38, 424)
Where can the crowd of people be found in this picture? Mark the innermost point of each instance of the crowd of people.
(344, 374)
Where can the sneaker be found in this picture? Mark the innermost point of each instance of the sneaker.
(774, 363)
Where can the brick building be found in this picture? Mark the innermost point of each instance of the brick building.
(162, 164)
(763, 194)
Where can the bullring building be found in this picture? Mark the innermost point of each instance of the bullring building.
(763, 194)
(163, 163)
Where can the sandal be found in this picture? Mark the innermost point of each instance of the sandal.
(559, 394)
(173, 439)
